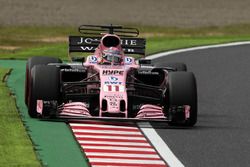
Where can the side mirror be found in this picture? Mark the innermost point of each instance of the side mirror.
(145, 61)
(78, 59)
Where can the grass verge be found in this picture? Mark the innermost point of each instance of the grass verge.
(15, 145)
(24, 42)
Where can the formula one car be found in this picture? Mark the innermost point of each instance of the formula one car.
(110, 84)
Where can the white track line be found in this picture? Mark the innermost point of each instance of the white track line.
(151, 134)
(160, 145)
(162, 54)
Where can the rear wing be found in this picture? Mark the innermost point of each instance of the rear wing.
(130, 45)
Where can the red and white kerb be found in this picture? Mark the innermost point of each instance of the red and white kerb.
(115, 145)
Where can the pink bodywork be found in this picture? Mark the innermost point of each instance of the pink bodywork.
(113, 81)
(112, 87)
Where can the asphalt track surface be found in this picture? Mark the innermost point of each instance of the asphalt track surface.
(221, 137)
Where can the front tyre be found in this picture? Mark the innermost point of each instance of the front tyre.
(36, 60)
(45, 85)
(183, 91)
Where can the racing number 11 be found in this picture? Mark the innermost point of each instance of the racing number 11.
(113, 88)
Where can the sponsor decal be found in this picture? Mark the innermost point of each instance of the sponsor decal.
(128, 42)
(113, 103)
(87, 48)
(112, 72)
(113, 100)
(114, 96)
(111, 78)
(112, 83)
(187, 111)
(95, 41)
(73, 70)
(130, 50)
(148, 73)
(93, 59)
(128, 60)
(87, 40)
(39, 106)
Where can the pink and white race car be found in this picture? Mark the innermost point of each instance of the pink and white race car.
(111, 83)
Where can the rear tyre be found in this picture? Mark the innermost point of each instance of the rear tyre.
(44, 85)
(183, 91)
(42, 60)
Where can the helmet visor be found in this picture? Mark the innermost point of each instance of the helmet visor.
(112, 57)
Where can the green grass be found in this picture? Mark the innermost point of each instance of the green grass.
(52, 41)
(15, 145)
(158, 44)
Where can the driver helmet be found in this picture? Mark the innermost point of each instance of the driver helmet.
(112, 54)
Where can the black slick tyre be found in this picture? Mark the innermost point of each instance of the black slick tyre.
(183, 91)
(44, 85)
(42, 60)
